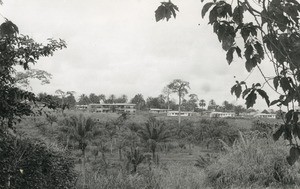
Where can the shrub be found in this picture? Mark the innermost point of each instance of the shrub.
(209, 133)
(26, 163)
(255, 162)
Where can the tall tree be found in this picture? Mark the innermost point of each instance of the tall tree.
(102, 98)
(167, 92)
(138, 99)
(63, 95)
(181, 88)
(83, 100)
(202, 103)
(111, 99)
(94, 98)
(192, 102)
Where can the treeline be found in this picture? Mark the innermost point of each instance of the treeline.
(190, 103)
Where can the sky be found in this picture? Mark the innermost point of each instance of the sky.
(117, 47)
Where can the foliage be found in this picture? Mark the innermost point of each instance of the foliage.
(210, 132)
(18, 50)
(135, 157)
(32, 164)
(255, 162)
(138, 99)
(165, 10)
(255, 30)
(154, 132)
(22, 78)
(181, 88)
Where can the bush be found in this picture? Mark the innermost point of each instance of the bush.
(210, 132)
(255, 162)
(31, 164)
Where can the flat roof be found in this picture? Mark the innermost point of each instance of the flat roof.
(116, 104)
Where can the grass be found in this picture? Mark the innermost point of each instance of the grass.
(253, 162)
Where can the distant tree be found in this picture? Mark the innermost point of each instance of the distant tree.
(70, 100)
(94, 98)
(63, 95)
(138, 99)
(122, 99)
(111, 99)
(228, 106)
(192, 102)
(167, 92)
(211, 105)
(102, 98)
(239, 109)
(202, 103)
(83, 100)
(155, 102)
(181, 88)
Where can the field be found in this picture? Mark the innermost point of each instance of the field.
(190, 157)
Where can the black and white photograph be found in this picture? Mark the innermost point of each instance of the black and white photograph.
(149, 94)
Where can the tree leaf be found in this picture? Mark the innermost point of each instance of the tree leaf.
(259, 50)
(238, 51)
(238, 14)
(276, 81)
(274, 102)
(251, 98)
(205, 8)
(229, 55)
(264, 95)
(285, 84)
(294, 156)
(288, 116)
(278, 133)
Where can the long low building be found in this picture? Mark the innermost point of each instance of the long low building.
(222, 114)
(262, 115)
(114, 107)
(158, 111)
(182, 113)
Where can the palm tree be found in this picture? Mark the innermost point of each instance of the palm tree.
(181, 88)
(202, 103)
(81, 129)
(154, 132)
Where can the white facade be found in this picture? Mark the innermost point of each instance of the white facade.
(157, 110)
(176, 113)
(261, 115)
(222, 114)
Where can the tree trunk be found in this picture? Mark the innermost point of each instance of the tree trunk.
(168, 100)
(190, 149)
(120, 153)
(153, 155)
(179, 111)
(83, 169)
(111, 146)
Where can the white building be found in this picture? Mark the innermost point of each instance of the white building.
(262, 115)
(116, 107)
(222, 114)
(176, 113)
(157, 110)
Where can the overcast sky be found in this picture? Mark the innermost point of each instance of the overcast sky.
(116, 47)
